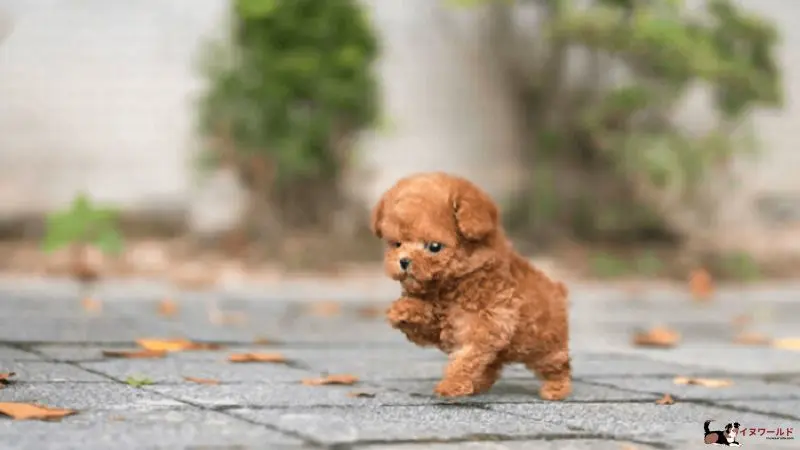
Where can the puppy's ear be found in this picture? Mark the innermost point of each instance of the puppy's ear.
(376, 218)
(476, 214)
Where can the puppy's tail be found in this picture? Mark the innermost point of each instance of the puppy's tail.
(705, 426)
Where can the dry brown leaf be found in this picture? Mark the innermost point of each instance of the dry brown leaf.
(134, 354)
(359, 394)
(30, 411)
(665, 400)
(262, 341)
(701, 284)
(742, 320)
(175, 345)
(369, 312)
(257, 357)
(201, 380)
(325, 309)
(705, 382)
(660, 337)
(91, 305)
(751, 338)
(628, 447)
(331, 379)
(787, 343)
(167, 308)
(5, 378)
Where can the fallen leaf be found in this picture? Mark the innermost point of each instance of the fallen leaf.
(660, 337)
(705, 382)
(787, 343)
(701, 285)
(134, 354)
(750, 338)
(138, 381)
(31, 411)
(665, 400)
(357, 394)
(325, 309)
(331, 379)
(628, 447)
(742, 320)
(167, 308)
(257, 357)
(369, 312)
(262, 341)
(91, 305)
(175, 345)
(4, 378)
(201, 380)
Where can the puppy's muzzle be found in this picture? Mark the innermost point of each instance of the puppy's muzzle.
(405, 263)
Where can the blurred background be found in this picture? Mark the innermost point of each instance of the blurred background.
(622, 138)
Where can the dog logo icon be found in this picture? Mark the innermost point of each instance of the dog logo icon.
(721, 437)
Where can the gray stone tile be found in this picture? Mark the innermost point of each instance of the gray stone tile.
(516, 391)
(742, 388)
(598, 365)
(558, 444)
(325, 330)
(152, 428)
(786, 407)
(678, 424)
(76, 329)
(35, 371)
(81, 396)
(342, 425)
(13, 354)
(283, 395)
(730, 358)
(172, 370)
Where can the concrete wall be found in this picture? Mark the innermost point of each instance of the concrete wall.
(97, 95)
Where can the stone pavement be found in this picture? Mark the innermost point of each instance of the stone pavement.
(55, 347)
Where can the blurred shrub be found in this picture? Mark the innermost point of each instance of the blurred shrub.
(83, 224)
(608, 160)
(288, 92)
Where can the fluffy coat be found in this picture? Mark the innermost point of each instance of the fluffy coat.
(466, 291)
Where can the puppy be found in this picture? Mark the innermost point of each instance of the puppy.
(465, 290)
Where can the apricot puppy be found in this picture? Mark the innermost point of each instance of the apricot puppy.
(466, 291)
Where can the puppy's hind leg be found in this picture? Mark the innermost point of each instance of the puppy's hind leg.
(489, 377)
(556, 373)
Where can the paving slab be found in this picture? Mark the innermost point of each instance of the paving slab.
(385, 424)
(516, 391)
(151, 428)
(788, 408)
(559, 444)
(284, 395)
(37, 371)
(742, 388)
(677, 424)
(86, 396)
(13, 354)
(171, 370)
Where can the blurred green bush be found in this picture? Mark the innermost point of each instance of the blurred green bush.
(607, 158)
(288, 92)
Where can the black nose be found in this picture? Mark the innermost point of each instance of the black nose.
(404, 263)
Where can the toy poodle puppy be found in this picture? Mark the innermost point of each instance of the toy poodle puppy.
(466, 291)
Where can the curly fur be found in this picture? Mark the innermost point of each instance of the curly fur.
(475, 299)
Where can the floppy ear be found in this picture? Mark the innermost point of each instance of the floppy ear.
(377, 217)
(476, 214)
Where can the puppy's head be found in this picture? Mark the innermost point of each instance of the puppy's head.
(436, 227)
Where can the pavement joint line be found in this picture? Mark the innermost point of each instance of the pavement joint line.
(627, 389)
(721, 404)
(582, 435)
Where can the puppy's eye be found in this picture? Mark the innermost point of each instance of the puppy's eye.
(434, 247)
(394, 244)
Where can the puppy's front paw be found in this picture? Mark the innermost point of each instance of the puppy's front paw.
(454, 388)
(409, 311)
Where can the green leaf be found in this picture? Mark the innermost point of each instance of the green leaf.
(138, 381)
(109, 241)
(256, 9)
